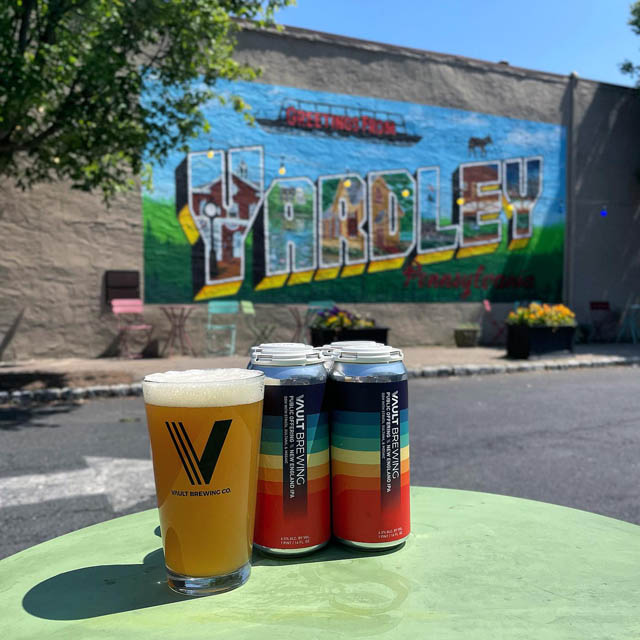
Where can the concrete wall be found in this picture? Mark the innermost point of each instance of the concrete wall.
(603, 256)
(56, 243)
(312, 60)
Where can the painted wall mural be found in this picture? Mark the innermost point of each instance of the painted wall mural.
(357, 199)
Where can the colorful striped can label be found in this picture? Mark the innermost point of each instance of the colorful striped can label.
(370, 461)
(293, 502)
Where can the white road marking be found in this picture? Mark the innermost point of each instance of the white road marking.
(125, 482)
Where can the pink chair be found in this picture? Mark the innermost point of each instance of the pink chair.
(129, 313)
(498, 327)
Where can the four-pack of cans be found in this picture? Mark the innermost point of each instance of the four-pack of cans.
(334, 456)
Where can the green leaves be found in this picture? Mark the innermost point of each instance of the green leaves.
(634, 22)
(88, 88)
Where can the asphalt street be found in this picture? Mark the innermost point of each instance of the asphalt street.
(567, 437)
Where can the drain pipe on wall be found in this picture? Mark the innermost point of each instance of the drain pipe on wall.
(568, 287)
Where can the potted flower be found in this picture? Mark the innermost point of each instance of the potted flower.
(335, 323)
(467, 335)
(540, 328)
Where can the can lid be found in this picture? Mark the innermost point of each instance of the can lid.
(279, 345)
(325, 351)
(328, 350)
(283, 357)
(368, 354)
(354, 343)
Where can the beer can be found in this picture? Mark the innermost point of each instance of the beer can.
(369, 446)
(293, 512)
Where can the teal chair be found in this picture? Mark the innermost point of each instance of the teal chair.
(221, 338)
(630, 323)
(261, 332)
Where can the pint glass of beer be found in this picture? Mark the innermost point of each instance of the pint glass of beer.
(204, 427)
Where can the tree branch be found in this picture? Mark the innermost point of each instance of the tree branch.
(27, 8)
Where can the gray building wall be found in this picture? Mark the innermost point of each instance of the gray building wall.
(603, 253)
(56, 243)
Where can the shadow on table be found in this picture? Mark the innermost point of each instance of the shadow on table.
(101, 590)
(105, 589)
(333, 551)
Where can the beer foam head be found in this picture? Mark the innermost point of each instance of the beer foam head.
(203, 388)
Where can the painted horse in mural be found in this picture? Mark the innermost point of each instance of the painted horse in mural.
(479, 143)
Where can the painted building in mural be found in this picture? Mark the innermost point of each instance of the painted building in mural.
(356, 198)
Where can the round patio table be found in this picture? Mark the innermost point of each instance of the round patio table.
(476, 566)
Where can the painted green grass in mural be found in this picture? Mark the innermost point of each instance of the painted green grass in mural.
(167, 254)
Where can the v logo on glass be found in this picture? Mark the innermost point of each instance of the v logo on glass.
(199, 470)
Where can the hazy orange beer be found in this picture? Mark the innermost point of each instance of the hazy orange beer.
(204, 427)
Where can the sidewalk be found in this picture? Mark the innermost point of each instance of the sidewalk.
(44, 380)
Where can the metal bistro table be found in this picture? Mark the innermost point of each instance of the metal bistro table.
(177, 315)
(476, 566)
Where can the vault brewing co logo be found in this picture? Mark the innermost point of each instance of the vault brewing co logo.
(199, 470)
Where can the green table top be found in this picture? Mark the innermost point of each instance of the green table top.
(476, 566)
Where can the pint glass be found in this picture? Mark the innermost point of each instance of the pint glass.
(204, 427)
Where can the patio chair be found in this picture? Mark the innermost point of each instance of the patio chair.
(11, 332)
(603, 321)
(299, 322)
(630, 323)
(121, 284)
(261, 332)
(498, 327)
(130, 317)
(221, 338)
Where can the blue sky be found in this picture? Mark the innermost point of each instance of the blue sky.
(590, 37)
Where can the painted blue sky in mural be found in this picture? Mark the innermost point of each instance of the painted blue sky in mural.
(444, 141)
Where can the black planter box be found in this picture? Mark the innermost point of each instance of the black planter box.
(320, 337)
(523, 341)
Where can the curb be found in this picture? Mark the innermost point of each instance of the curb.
(72, 394)
(520, 367)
